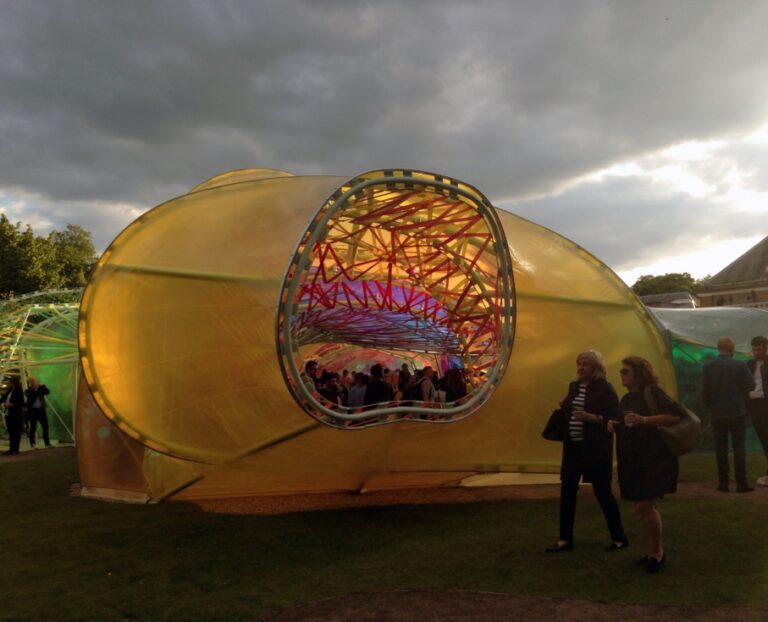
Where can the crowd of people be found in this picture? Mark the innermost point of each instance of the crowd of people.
(591, 415)
(24, 410)
(382, 386)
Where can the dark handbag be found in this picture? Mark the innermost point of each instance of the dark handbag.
(682, 437)
(554, 430)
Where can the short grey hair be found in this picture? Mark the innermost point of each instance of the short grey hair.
(725, 344)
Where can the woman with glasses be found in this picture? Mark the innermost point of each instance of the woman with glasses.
(647, 469)
(588, 449)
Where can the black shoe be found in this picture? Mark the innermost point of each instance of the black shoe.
(723, 488)
(654, 565)
(642, 561)
(7, 453)
(615, 546)
(559, 548)
(745, 488)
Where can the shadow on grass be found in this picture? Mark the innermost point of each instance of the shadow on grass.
(79, 559)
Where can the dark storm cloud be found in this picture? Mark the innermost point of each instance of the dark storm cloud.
(134, 102)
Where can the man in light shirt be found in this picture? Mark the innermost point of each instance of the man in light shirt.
(757, 404)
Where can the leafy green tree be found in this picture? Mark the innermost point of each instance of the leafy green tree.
(9, 255)
(39, 270)
(74, 253)
(665, 284)
(29, 263)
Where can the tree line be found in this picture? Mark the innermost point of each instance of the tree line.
(30, 262)
(668, 283)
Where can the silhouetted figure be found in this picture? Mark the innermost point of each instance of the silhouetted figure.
(405, 377)
(725, 384)
(356, 397)
(454, 385)
(757, 405)
(378, 391)
(36, 411)
(329, 388)
(13, 403)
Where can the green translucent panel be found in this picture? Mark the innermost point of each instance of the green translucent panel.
(38, 338)
(60, 379)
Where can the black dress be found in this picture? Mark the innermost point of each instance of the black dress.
(647, 469)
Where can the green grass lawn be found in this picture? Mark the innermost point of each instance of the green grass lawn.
(65, 558)
(702, 467)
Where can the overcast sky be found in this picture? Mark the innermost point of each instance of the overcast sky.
(637, 129)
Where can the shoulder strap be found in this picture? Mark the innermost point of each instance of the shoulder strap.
(649, 399)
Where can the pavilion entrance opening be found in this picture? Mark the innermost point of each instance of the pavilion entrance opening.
(399, 268)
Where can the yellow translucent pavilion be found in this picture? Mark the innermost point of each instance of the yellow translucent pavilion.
(195, 326)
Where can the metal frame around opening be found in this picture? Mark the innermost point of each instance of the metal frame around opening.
(318, 228)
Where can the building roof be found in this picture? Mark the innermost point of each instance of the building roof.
(671, 299)
(751, 266)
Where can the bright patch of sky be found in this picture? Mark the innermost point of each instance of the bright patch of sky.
(20, 209)
(706, 198)
(703, 262)
(45, 215)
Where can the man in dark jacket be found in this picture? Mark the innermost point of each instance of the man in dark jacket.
(377, 390)
(13, 403)
(36, 412)
(757, 404)
(726, 382)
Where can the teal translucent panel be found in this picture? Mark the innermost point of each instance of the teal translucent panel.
(689, 360)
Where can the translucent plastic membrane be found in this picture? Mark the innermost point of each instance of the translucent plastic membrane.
(198, 316)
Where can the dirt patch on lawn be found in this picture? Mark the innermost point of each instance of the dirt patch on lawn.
(302, 503)
(455, 606)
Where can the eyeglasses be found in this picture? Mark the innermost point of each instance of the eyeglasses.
(624, 371)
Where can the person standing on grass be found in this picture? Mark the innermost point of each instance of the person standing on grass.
(647, 468)
(757, 405)
(13, 403)
(588, 449)
(725, 385)
(36, 412)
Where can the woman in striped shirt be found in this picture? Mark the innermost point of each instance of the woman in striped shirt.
(588, 449)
